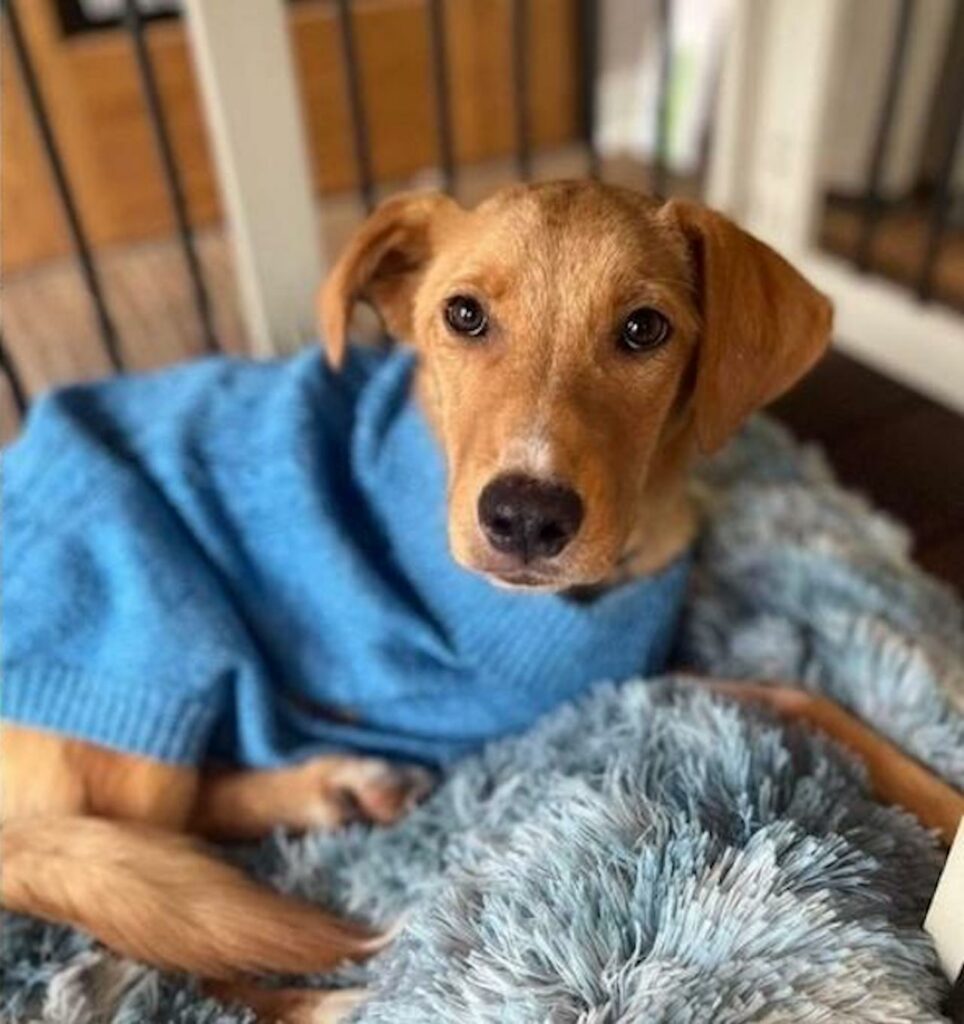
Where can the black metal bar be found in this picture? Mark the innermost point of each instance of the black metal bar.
(872, 204)
(62, 184)
(661, 134)
(172, 176)
(520, 87)
(356, 105)
(940, 211)
(9, 370)
(588, 36)
(440, 84)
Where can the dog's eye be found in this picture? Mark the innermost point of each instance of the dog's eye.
(644, 329)
(465, 315)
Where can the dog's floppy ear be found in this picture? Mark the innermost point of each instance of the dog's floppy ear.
(764, 325)
(381, 265)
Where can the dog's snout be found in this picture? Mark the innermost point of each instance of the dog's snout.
(529, 518)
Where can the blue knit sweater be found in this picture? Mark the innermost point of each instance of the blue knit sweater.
(247, 562)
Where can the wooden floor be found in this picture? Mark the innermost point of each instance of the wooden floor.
(902, 451)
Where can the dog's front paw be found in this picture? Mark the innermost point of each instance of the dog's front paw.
(348, 789)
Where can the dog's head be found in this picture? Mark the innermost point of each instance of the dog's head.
(577, 344)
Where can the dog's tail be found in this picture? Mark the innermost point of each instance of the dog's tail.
(159, 897)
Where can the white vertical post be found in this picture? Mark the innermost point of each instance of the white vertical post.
(244, 63)
(793, 95)
(772, 104)
(736, 111)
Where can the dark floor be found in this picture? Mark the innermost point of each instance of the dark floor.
(902, 451)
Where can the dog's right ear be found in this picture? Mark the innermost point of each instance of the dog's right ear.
(764, 324)
(382, 265)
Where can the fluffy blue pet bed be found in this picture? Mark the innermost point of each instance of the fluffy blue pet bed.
(652, 854)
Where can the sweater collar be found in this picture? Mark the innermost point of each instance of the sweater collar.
(400, 467)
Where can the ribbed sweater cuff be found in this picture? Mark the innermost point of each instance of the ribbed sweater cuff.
(166, 727)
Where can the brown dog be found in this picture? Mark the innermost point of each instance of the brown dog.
(568, 332)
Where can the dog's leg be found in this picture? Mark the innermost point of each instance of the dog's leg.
(44, 774)
(289, 1005)
(324, 792)
(139, 887)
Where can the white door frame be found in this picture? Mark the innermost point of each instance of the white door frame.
(244, 64)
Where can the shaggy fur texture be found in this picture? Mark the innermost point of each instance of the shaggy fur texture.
(654, 853)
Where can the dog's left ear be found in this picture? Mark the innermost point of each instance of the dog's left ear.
(382, 265)
(764, 325)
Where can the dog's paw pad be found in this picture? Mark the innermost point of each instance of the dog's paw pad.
(373, 790)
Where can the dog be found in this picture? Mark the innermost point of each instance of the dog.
(577, 347)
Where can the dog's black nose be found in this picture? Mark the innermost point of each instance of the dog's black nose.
(529, 518)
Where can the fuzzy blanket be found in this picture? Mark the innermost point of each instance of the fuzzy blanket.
(653, 853)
